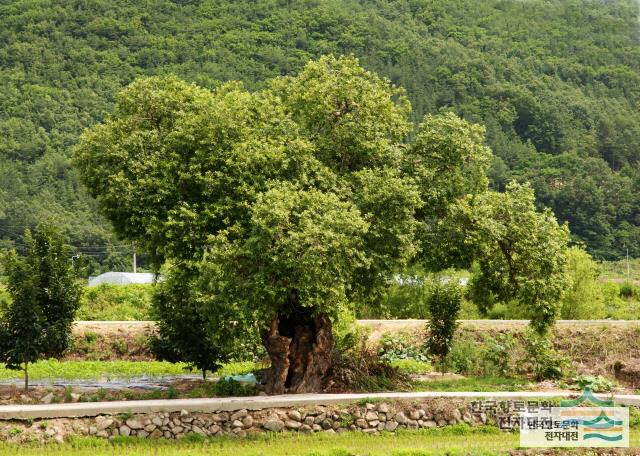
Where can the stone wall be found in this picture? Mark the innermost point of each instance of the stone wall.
(366, 417)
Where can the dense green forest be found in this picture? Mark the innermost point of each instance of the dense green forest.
(556, 82)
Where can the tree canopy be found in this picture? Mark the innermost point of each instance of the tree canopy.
(520, 253)
(290, 205)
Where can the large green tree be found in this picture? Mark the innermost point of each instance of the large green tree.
(295, 202)
(45, 292)
(520, 253)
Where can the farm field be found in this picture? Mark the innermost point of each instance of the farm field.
(457, 441)
(453, 441)
(53, 370)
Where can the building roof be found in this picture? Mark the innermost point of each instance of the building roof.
(122, 278)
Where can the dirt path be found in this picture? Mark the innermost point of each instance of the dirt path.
(113, 327)
(377, 326)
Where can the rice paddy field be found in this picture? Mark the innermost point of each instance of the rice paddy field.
(55, 370)
(456, 440)
(453, 441)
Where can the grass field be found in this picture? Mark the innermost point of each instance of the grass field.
(618, 270)
(487, 384)
(454, 440)
(105, 370)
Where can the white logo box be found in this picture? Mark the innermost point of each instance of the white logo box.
(575, 427)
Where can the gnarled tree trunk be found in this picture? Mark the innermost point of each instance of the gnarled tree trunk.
(300, 350)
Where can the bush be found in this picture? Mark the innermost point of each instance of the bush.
(444, 304)
(493, 357)
(596, 383)
(347, 334)
(618, 307)
(400, 345)
(634, 417)
(464, 357)
(116, 302)
(512, 310)
(584, 299)
(542, 360)
(231, 387)
(628, 290)
(408, 296)
(405, 298)
(498, 354)
(468, 310)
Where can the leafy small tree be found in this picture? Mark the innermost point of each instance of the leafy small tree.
(193, 326)
(520, 252)
(584, 298)
(45, 293)
(444, 301)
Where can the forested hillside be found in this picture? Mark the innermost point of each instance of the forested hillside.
(556, 82)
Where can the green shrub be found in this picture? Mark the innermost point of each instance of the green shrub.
(627, 290)
(365, 369)
(512, 310)
(444, 302)
(498, 354)
(468, 310)
(230, 387)
(400, 345)
(405, 298)
(90, 337)
(542, 360)
(120, 347)
(596, 383)
(584, 298)
(492, 357)
(464, 357)
(116, 302)
(172, 393)
(347, 334)
(618, 307)
(634, 417)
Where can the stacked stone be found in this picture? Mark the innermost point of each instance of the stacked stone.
(369, 418)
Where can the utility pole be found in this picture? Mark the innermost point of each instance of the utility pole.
(135, 268)
(628, 268)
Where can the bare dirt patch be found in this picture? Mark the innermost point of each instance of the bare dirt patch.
(109, 341)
